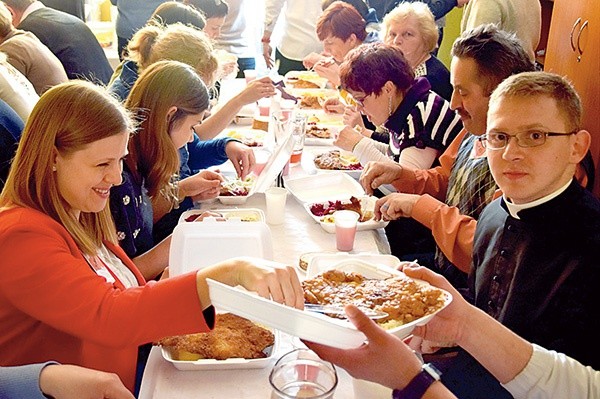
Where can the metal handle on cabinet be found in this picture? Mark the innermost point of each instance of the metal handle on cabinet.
(573, 31)
(585, 24)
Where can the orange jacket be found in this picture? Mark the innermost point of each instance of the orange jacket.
(53, 306)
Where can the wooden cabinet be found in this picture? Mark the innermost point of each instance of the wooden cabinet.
(573, 51)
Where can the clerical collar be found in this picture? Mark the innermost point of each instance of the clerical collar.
(514, 209)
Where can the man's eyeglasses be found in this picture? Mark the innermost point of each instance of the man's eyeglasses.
(499, 140)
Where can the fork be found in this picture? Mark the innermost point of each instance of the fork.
(338, 310)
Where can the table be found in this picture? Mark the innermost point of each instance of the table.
(297, 235)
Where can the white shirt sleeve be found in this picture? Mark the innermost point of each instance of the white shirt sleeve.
(370, 150)
(418, 158)
(272, 11)
(549, 374)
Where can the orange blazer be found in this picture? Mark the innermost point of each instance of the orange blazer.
(53, 306)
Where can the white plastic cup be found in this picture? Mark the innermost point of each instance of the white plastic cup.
(345, 229)
(302, 374)
(287, 107)
(264, 105)
(275, 199)
(250, 75)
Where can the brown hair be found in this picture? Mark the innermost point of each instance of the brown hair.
(153, 158)
(534, 84)
(341, 20)
(67, 118)
(356, 72)
(174, 42)
(498, 54)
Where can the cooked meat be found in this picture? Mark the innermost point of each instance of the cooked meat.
(232, 337)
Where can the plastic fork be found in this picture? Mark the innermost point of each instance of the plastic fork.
(338, 310)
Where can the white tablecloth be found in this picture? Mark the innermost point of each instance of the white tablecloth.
(297, 235)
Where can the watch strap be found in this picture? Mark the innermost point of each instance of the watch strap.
(416, 388)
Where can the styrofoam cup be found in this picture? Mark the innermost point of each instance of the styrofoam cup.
(275, 199)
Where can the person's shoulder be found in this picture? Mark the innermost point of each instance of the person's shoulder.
(18, 218)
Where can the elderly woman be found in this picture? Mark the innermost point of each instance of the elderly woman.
(68, 292)
(418, 124)
(412, 28)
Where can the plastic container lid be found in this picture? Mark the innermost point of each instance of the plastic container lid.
(197, 245)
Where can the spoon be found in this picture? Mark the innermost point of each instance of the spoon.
(339, 310)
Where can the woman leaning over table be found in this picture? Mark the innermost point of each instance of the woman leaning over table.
(169, 100)
(67, 290)
(190, 46)
(418, 123)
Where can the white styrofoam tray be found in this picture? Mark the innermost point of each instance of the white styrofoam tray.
(275, 164)
(306, 325)
(367, 203)
(310, 326)
(330, 186)
(227, 364)
(197, 245)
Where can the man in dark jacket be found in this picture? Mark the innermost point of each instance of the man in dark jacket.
(68, 37)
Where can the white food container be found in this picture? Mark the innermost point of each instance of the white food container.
(197, 245)
(328, 186)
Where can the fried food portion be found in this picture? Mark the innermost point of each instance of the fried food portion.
(402, 298)
(232, 337)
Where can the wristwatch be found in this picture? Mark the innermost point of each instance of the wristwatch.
(418, 385)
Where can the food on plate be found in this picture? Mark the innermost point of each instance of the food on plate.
(251, 138)
(237, 187)
(402, 298)
(325, 210)
(336, 160)
(260, 124)
(312, 130)
(195, 216)
(244, 217)
(298, 83)
(311, 101)
(232, 337)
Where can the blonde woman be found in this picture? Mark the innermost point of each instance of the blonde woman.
(68, 292)
(412, 28)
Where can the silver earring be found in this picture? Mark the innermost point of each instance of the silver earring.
(53, 168)
(390, 106)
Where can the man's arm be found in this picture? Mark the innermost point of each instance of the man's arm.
(432, 181)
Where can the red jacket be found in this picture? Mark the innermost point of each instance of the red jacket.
(53, 306)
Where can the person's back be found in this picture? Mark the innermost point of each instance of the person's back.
(522, 17)
(72, 42)
(34, 60)
(16, 90)
(73, 7)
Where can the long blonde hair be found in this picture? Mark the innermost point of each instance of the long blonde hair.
(153, 158)
(175, 42)
(67, 118)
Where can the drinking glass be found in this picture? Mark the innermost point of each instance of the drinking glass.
(302, 374)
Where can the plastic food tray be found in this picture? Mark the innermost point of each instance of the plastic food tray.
(330, 186)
